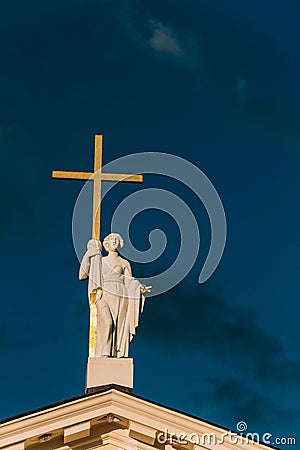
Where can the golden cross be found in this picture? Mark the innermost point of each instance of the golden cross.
(97, 176)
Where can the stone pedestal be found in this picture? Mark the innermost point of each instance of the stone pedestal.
(105, 371)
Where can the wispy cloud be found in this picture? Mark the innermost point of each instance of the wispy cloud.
(159, 37)
(164, 40)
(203, 322)
(175, 43)
(243, 362)
(240, 401)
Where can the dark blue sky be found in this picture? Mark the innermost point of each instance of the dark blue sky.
(214, 82)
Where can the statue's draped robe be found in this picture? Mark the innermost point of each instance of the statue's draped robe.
(91, 268)
(119, 306)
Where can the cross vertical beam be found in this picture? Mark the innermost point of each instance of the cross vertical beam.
(97, 188)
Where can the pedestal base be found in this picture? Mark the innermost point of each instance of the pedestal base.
(106, 371)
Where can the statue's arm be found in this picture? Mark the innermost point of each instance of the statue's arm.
(128, 273)
(84, 267)
(127, 270)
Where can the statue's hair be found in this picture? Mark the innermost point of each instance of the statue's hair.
(105, 242)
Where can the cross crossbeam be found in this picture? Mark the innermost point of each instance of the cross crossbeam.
(97, 177)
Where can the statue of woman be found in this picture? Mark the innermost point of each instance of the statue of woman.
(119, 300)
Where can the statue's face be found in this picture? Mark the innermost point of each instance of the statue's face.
(114, 243)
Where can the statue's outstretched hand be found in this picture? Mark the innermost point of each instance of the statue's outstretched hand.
(145, 288)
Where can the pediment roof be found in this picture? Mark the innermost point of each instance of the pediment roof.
(116, 418)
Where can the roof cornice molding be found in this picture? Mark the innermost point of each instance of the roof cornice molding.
(144, 418)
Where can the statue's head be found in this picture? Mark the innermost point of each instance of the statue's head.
(93, 244)
(113, 242)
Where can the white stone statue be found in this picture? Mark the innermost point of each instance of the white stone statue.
(119, 296)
